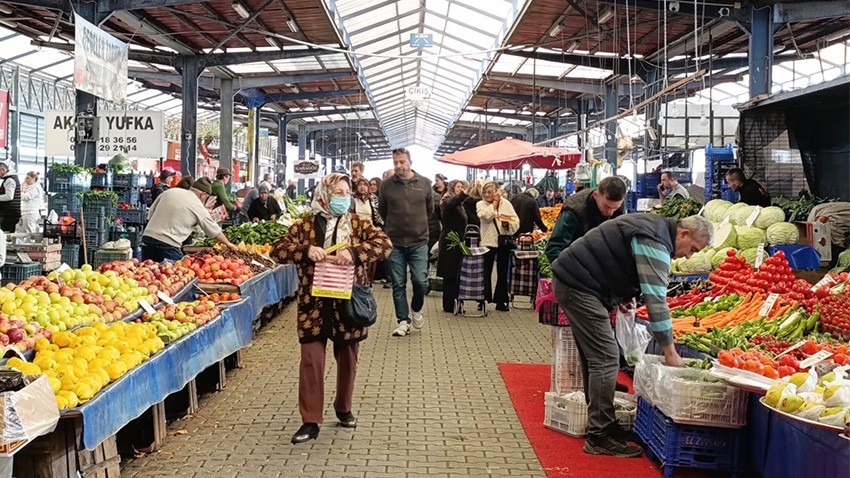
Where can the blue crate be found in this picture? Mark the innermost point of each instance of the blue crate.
(132, 216)
(94, 239)
(65, 202)
(129, 197)
(16, 273)
(66, 182)
(71, 255)
(101, 180)
(688, 446)
(723, 154)
(137, 253)
(123, 182)
(95, 219)
(801, 257)
(646, 185)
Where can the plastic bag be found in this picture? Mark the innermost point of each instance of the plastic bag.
(633, 338)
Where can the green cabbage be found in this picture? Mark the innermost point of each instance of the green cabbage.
(725, 236)
(674, 266)
(731, 211)
(716, 209)
(769, 216)
(750, 255)
(719, 256)
(740, 216)
(782, 233)
(695, 264)
(749, 237)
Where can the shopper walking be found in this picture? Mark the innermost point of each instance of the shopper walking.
(405, 202)
(356, 173)
(613, 264)
(449, 258)
(32, 200)
(585, 210)
(498, 220)
(528, 211)
(322, 319)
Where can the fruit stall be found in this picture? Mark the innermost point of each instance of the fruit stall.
(123, 347)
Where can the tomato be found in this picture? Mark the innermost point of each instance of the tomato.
(810, 347)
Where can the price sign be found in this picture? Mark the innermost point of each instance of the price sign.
(23, 257)
(792, 348)
(760, 255)
(15, 351)
(827, 280)
(752, 218)
(145, 305)
(164, 297)
(768, 305)
(725, 221)
(816, 358)
(64, 267)
(701, 210)
(842, 369)
(260, 264)
(133, 133)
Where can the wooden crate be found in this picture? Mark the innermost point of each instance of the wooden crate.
(215, 287)
(146, 433)
(213, 379)
(59, 455)
(182, 403)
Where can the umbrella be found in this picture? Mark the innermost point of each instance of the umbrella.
(513, 153)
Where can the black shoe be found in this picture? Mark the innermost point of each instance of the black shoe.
(307, 432)
(347, 419)
(502, 307)
(617, 432)
(621, 387)
(608, 445)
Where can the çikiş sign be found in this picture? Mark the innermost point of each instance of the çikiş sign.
(133, 133)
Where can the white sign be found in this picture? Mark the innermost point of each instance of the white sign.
(827, 280)
(760, 255)
(164, 297)
(100, 62)
(307, 169)
(768, 305)
(418, 93)
(145, 305)
(816, 358)
(753, 216)
(136, 134)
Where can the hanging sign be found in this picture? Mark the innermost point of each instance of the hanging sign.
(135, 134)
(421, 40)
(4, 117)
(307, 169)
(100, 62)
(418, 93)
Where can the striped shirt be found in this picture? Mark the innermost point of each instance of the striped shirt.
(653, 269)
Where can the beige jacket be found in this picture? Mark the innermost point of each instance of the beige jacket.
(490, 230)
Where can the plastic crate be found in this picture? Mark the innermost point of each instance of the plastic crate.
(66, 232)
(95, 219)
(94, 239)
(800, 257)
(132, 198)
(132, 216)
(70, 255)
(646, 185)
(103, 256)
(16, 273)
(568, 413)
(107, 203)
(64, 202)
(66, 182)
(549, 313)
(566, 364)
(122, 182)
(101, 180)
(135, 237)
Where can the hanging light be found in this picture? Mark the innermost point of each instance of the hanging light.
(606, 15)
(555, 30)
(703, 120)
(241, 10)
(271, 41)
(293, 27)
(5, 10)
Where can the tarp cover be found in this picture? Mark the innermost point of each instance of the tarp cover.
(513, 153)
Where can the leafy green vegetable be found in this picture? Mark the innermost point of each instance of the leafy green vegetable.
(769, 216)
(799, 209)
(782, 233)
(455, 241)
(678, 208)
(263, 232)
(62, 168)
(749, 237)
(544, 267)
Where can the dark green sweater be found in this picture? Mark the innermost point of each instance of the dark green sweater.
(223, 198)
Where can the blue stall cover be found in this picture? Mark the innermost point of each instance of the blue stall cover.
(270, 287)
(797, 450)
(165, 373)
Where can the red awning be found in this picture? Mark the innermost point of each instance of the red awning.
(513, 153)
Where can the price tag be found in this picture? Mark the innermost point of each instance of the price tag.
(760, 255)
(816, 358)
(768, 305)
(23, 257)
(64, 267)
(701, 210)
(842, 369)
(827, 280)
(792, 348)
(15, 351)
(164, 297)
(145, 305)
(256, 263)
(724, 222)
(752, 218)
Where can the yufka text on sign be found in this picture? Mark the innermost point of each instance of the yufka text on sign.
(133, 133)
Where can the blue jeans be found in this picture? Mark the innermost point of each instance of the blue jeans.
(415, 257)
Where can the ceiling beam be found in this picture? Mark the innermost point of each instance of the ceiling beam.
(810, 10)
(239, 83)
(576, 86)
(116, 5)
(529, 99)
(687, 8)
(281, 97)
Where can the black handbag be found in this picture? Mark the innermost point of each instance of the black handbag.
(362, 309)
(505, 240)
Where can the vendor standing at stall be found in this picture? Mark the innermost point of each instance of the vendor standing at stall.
(752, 193)
(670, 188)
(172, 219)
(609, 267)
(265, 207)
(219, 190)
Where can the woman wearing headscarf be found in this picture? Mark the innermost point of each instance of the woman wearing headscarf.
(448, 261)
(365, 203)
(321, 319)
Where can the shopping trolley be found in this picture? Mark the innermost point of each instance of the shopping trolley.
(471, 277)
(524, 272)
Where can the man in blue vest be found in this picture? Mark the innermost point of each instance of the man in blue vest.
(608, 267)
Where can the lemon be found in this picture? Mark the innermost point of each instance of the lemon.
(45, 362)
(29, 369)
(63, 339)
(109, 353)
(42, 344)
(70, 397)
(68, 381)
(103, 375)
(55, 384)
(64, 355)
(98, 364)
(15, 362)
(86, 352)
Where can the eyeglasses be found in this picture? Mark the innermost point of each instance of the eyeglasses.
(401, 151)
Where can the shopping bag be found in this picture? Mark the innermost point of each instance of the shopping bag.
(333, 280)
(633, 338)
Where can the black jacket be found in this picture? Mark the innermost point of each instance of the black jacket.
(528, 211)
(262, 211)
(470, 205)
(158, 189)
(454, 218)
(602, 263)
(407, 207)
(12, 208)
(578, 215)
(753, 194)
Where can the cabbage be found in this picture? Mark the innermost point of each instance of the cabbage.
(696, 264)
(715, 209)
(769, 216)
(782, 233)
(731, 211)
(749, 237)
(725, 236)
(719, 256)
(740, 216)
(674, 266)
(750, 255)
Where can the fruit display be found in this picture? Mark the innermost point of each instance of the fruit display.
(80, 363)
(174, 321)
(120, 294)
(550, 216)
(835, 310)
(824, 399)
(223, 297)
(774, 275)
(253, 249)
(708, 307)
(249, 258)
(218, 269)
(166, 277)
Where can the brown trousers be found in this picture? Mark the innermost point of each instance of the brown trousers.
(311, 379)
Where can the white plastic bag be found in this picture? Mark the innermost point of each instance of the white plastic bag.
(633, 338)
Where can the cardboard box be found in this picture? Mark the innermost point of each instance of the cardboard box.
(817, 235)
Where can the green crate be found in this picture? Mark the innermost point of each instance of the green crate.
(16, 273)
(103, 256)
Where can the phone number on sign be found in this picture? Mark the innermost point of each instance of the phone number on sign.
(116, 144)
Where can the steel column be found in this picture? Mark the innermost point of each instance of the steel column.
(189, 121)
(280, 166)
(611, 104)
(15, 123)
(761, 51)
(302, 151)
(85, 153)
(226, 127)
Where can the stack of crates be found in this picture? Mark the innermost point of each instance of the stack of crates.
(16, 273)
(64, 202)
(46, 252)
(104, 256)
(101, 180)
(99, 214)
(127, 188)
(70, 254)
(717, 162)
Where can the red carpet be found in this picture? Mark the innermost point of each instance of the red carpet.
(559, 454)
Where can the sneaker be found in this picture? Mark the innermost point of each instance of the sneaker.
(609, 445)
(621, 387)
(402, 329)
(617, 432)
(418, 320)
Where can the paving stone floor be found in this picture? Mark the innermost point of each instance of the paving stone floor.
(431, 404)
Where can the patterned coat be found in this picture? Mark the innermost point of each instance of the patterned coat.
(321, 318)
